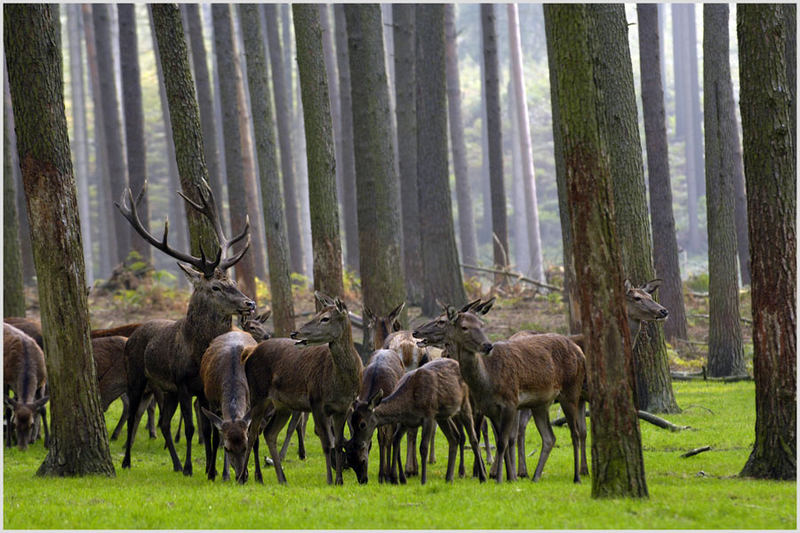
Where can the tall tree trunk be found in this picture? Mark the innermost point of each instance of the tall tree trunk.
(35, 77)
(442, 275)
(725, 351)
(694, 98)
(770, 170)
(112, 124)
(264, 128)
(665, 244)
(134, 118)
(13, 293)
(491, 82)
(301, 171)
(466, 223)
(406, 108)
(80, 140)
(484, 179)
(230, 81)
(347, 163)
(380, 231)
(526, 151)
(327, 247)
(283, 114)
(790, 23)
(519, 230)
(617, 464)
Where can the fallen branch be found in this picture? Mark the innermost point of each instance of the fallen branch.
(516, 275)
(644, 415)
(696, 451)
(680, 376)
(699, 315)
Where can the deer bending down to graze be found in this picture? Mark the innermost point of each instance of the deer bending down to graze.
(166, 353)
(226, 391)
(323, 380)
(431, 394)
(384, 370)
(531, 371)
(24, 372)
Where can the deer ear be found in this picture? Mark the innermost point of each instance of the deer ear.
(651, 286)
(194, 276)
(368, 314)
(340, 306)
(248, 417)
(214, 419)
(440, 304)
(396, 311)
(486, 306)
(452, 314)
(470, 306)
(628, 286)
(375, 399)
(263, 317)
(38, 404)
(323, 298)
(10, 402)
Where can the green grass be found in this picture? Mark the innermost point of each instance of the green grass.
(150, 495)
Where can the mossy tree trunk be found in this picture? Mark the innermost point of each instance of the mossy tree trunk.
(13, 293)
(36, 81)
(770, 168)
(617, 463)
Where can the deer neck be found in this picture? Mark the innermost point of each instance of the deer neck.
(203, 324)
(473, 368)
(345, 356)
(634, 326)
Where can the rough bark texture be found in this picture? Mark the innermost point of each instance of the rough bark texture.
(348, 161)
(283, 115)
(326, 245)
(264, 129)
(790, 23)
(665, 244)
(229, 82)
(617, 463)
(380, 231)
(466, 222)
(442, 274)
(406, 108)
(80, 140)
(34, 70)
(725, 351)
(329, 51)
(134, 117)
(770, 167)
(614, 75)
(491, 82)
(112, 126)
(185, 119)
(13, 294)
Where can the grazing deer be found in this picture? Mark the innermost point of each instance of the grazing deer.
(531, 371)
(433, 393)
(322, 378)
(25, 374)
(167, 353)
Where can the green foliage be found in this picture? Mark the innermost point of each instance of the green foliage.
(701, 492)
(698, 282)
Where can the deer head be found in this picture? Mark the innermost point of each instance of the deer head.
(433, 333)
(380, 327)
(362, 424)
(256, 325)
(640, 303)
(327, 325)
(234, 438)
(24, 417)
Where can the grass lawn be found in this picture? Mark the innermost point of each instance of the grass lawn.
(700, 492)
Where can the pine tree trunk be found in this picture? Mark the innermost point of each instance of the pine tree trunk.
(348, 162)
(770, 170)
(491, 82)
(35, 77)
(80, 141)
(536, 269)
(283, 115)
(264, 129)
(442, 274)
(694, 97)
(380, 229)
(617, 463)
(725, 351)
(301, 171)
(466, 223)
(13, 293)
(134, 118)
(790, 23)
(522, 258)
(614, 74)
(665, 244)
(484, 178)
(406, 108)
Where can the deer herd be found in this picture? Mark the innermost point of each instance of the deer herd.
(444, 373)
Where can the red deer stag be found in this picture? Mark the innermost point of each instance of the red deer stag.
(166, 353)
(25, 374)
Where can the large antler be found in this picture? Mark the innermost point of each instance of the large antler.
(209, 209)
(127, 206)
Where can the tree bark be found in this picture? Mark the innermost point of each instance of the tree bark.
(283, 115)
(536, 269)
(519, 232)
(442, 274)
(725, 351)
(617, 463)
(35, 77)
(406, 108)
(491, 82)
(13, 286)
(466, 223)
(380, 230)
(770, 167)
(665, 244)
(348, 162)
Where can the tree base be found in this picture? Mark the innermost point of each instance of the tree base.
(779, 467)
(56, 465)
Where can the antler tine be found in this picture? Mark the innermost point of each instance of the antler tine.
(229, 262)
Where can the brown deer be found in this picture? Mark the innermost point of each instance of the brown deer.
(532, 371)
(322, 378)
(433, 393)
(25, 374)
(166, 353)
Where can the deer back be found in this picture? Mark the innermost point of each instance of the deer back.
(24, 369)
(223, 374)
(405, 344)
(29, 326)
(109, 361)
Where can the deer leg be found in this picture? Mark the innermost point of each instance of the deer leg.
(541, 416)
(571, 412)
(432, 457)
(522, 465)
(338, 420)
(398, 475)
(293, 423)
(385, 449)
(301, 436)
(412, 468)
(151, 417)
(428, 428)
(467, 422)
(512, 441)
(498, 462)
(483, 427)
(177, 437)
(258, 409)
(168, 407)
(507, 428)
(226, 476)
(186, 409)
(135, 392)
(123, 417)
(451, 434)
(200, 421)
(211, 450)
(274, 426)
(582, 433)
(43, 413)
(458, 430)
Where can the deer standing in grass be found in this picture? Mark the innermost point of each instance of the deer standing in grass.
(167, 353)
(24, 372)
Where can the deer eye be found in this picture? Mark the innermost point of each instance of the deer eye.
(637, 298)
(215, 288)
(324, 319)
